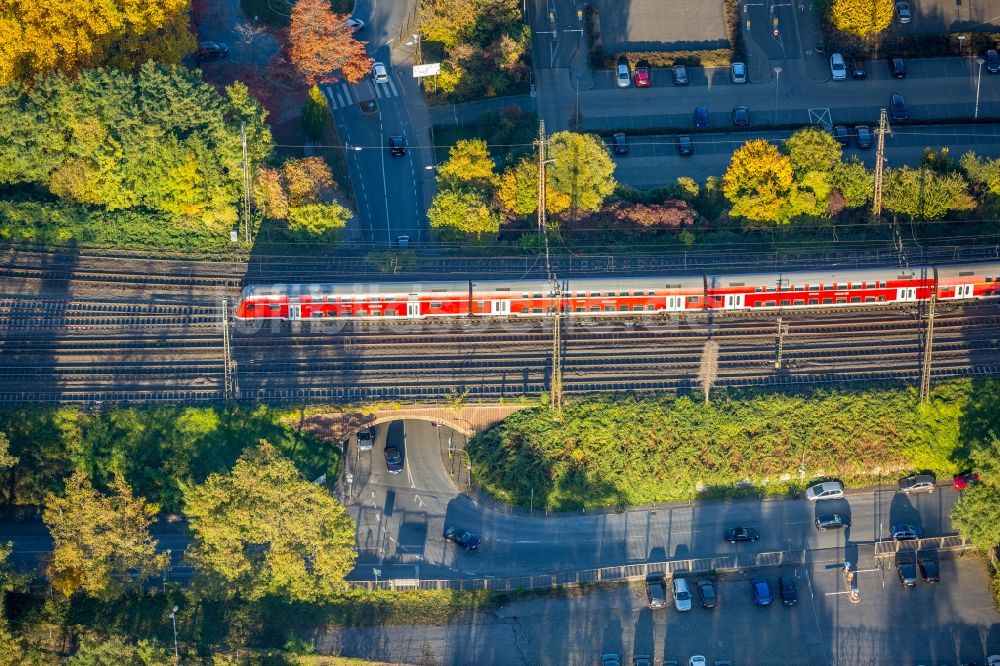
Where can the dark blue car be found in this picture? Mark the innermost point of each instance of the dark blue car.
(761, 593)
(463, 538)
(393, 460)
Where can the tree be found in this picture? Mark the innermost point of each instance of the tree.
(114, 651)
(759, 183)
(977, 514)
(924, 194)
(983, 172)
(315, 114)
(68, 36)
(447, 21)
(321, 44)
(263, 530)
(7, 461)
(862, 18)
(854, 182)
(469, 164)
(463, 210)
(270, 195)
(306, 180)
(812, 149)
(100, 540)
(12, 647)
(582, 170)
(318, 218)
(518, 190)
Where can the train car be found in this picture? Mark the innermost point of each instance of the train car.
(617, 296)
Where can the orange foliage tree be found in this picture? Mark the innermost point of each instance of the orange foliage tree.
(321, 44)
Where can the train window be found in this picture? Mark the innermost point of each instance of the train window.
(525, 294)
(316, 313)
(758, 289)
(771, 288)
(881, 299)
(966, 273)
(814, 287)
(537, 294)
(567, 294)
(595, 308)
(595, 293)
(609, 293)
(799, 287)
(813, 301)
(856, 285)
(827, 301)
(637, 293)
(718, 299)
(390, 313)
(883, 284)
(609, 308)
(361, 313)
(376, 299)
(524, 310)
(536, 310)
(841, 300)
(581, 294)
(376, 313)
(855, 299)
(869, 299)
(623, 308)
(638, 308)
(841, 285)
(552, 309)
(650, 307)
(651, 293)
(435, 304)
(785, 302)
(581, 309)
(250, 307)
(989, 278)
(692, 299)
(273, 307)
(770, 304)
(798, 301)
(480, 304)
(757, 304)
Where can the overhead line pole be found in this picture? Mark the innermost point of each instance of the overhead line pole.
(925, 373)
(227, 362)
(555, 379)
(883, 127)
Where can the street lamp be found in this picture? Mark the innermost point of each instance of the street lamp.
(961, 50)
(173, 618)
(777, 78)
(979, 80)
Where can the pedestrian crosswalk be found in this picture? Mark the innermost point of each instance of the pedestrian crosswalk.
(341, 95)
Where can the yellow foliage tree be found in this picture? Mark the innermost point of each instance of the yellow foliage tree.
(469, 163)
(862, 18)
(759, 183)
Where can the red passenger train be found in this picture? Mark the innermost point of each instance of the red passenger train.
(617, 296)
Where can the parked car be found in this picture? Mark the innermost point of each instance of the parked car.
(379, 73)
(917, 483)
(680, 75)
(838, 68)
(897, 107)
(906, 532)
(842, 135)
(786, 587)
(642, 660)
(656, 590)
(684, 145)
(992, 61)
(682, 594)
(354, 24)
(620, 143)
(963, 480)
(858, 70)
(706, 590)
(832, 521)
(993, 660)
(697, 660)
(741, 116)
(907, 572)
(738, 72)
(864, 135)
(701, 120)
(903, 12)
(827, 489)
(397, 146)
(642, 79)
(610, 659)
(366, 439)
(463, 538)
(393, 460)
(734, 534)
(623, 79)
(929, 570)
(897, 68)
(761, 593)
(207, 50)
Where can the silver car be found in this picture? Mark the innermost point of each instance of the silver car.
(738, 72)
(838, 68)
(682, 595)
(379, 73)
(918, 483)
(624, 78)
(825, 490)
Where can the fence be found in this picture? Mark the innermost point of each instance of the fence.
(890, 548)
(625, 573)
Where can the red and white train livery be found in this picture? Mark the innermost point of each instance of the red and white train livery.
(617, 296)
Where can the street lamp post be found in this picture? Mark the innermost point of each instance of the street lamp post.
(173, 618)
(961, 44)
(979, 79)
(777, 78)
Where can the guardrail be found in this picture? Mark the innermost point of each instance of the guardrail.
(624, 573)
(890, 548)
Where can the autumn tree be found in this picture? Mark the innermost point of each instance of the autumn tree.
(114, 651)
(315, 114)
(518, 190)
(759, 183)
(982, 172)
(582, 169)
(812, 149)
(463, 210)
(469, 164)
(101, 542)
(68, 36)
(263, 530)
(322, 44)
(925, 194)
(854, 182)
(862, 18)
(448, 21)
(977, 514)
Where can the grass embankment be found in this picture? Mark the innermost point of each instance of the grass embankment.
(611, 451)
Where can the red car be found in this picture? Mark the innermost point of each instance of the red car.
(963, 480)
(642, 79)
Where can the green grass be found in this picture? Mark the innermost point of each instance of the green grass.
(611, 451)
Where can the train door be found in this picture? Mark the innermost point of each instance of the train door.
(675, 303)
(294, 311)
(413, 309)
(906, 294)
(963, 290)
(500, 308)
(734, 301)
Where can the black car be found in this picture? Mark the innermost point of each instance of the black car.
(842, 135)
(864, 136)
(741, 116)
(734, 534)
(642, 660)
(786, 586)
(393, 460)
(906, 532)
(706, 590)
(463, 538)
(929, 570)
(684, 145)
(208, 50)
(858, 69)
(832, 521)
(656, 590)
(897, 68)
(897, 107)
(397, 146)
(907, 572)
(680, 75)
(620, 143)
(992, 61)
(701, 120)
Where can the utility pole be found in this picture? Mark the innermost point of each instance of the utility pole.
(227, 363)
(883, 127)
(246, 184)
(782, 329)
(925, 372)
(555, 379)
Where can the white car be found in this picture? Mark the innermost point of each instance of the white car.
(993, 660)
(682, 595)
(838, 68)
(354, 24)
(379, 73)
(697, 660)
(825, 490)
(624, 79)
